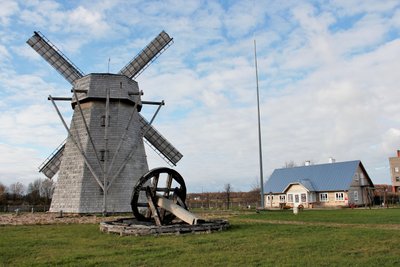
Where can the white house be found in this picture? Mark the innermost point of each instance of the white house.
(324, 185)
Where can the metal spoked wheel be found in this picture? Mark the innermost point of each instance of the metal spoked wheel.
(158, 182)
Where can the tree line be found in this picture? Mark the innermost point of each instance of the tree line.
(38, 192)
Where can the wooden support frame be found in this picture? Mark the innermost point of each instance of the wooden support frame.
(153, 206)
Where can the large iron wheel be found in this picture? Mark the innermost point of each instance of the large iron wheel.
(148, 187)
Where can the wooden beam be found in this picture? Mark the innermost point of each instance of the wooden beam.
(153, 190)
(177, 210)
(153, 206)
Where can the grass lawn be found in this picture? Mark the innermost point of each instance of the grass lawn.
(253, 240)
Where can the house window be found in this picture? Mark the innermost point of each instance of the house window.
(303, 198)
(396, 169)
(323, 197)
(296, 198)
(339, 196)
(355, 195)
(290, 198)
(397, 179)
(282, 199)
(356, 177)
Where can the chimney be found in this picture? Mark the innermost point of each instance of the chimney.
(332, 160)
(398, 153)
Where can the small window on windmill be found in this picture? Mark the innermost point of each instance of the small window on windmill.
(103, 155)
(103, 121)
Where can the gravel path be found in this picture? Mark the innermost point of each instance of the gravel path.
(52, 218)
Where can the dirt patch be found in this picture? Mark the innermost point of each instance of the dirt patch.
(51, 218)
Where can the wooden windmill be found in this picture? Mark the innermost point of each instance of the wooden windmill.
(103, 156)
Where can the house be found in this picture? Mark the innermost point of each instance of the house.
(394, 163)
(324, 185)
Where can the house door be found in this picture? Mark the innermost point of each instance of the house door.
(296, 199)
(300, 199)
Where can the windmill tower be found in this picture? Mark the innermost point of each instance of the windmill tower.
(103, 156)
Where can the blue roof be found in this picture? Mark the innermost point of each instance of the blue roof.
(322, 177)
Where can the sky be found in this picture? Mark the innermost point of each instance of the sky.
(328, 79)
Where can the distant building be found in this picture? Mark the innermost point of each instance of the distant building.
(333, 184)
(394, 163)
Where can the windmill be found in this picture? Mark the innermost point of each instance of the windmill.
(103, 156)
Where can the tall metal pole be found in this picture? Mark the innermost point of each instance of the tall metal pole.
(259, 131)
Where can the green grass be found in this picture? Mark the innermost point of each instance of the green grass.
(249, 242)
(345, 216)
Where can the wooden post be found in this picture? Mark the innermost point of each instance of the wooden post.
(153, 206)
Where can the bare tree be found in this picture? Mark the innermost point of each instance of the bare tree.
(33, 192)
(255, 192)
(289, 164)
(228, 191)
(2, 193)
(47, 190)
(256, 185)
(17, 190)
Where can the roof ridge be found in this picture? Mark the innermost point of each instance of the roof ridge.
(327, 163)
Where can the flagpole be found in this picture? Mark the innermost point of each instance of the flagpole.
(259, 131)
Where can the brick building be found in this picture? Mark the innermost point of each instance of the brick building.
(394, 163)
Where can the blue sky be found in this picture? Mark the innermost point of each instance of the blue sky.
(328, 81)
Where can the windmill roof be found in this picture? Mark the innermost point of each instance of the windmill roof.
(322, 177)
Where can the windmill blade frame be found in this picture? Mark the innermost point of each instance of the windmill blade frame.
(142, 60)
(55, 57)
(51, 165)
(159, 143)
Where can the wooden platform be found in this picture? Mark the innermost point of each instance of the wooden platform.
(131, 226)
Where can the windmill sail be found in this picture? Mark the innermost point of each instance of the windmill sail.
(159, 143)
(52, 164)
(147, 55)
(54, 57)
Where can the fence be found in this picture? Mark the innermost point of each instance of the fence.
(24, 208)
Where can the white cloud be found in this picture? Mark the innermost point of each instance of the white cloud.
(4, 54)
(18, 164)
(391, 139)
(8, 9)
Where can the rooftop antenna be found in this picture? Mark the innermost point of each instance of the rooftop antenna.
(259, 130)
